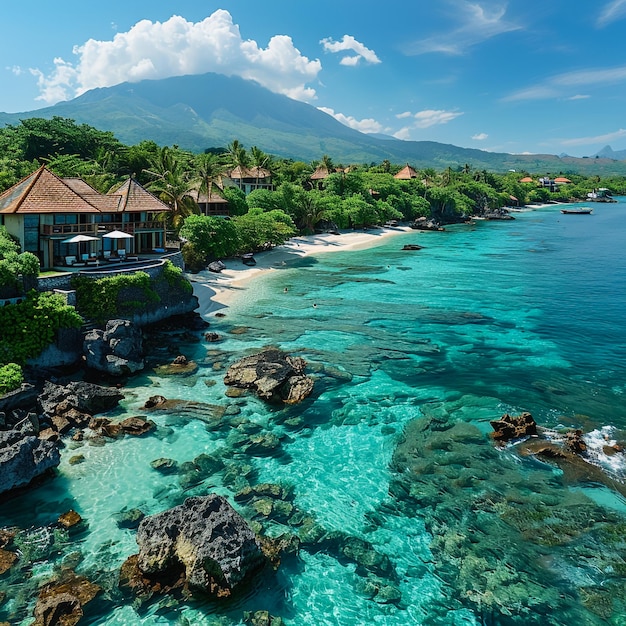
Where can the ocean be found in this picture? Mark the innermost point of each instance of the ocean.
(406, 510)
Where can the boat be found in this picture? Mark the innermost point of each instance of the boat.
(582, 211)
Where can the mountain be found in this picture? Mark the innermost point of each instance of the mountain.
(608, 153)
(211, 110)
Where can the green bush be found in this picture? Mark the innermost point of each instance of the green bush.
(173, 276)
(11, 377)
(113, 296)
(29, 327)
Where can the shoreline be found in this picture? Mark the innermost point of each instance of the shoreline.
(216, 291)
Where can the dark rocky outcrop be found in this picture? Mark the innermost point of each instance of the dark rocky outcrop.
(273, 375)
(216, 266)
(117, 350)
(32, 424)
(423, 223)
(77, 401)
(203, 544)
(509, 427)
(24, 456)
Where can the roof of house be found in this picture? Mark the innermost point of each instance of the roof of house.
(562, 179)
(44, 192)
(204, 198)
(406, 173)
(526, 179)
(135, 198)
(239, 173)
(320, 173)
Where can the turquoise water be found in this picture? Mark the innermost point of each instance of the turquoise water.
(490, 318)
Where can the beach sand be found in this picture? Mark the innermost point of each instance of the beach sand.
(216, 291)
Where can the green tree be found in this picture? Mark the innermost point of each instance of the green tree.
(261, 231)
(210, 238)
(173, 184)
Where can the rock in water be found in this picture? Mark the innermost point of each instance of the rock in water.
(23, 457)
(509, 427)
(117, 350)
(205, 537)
(273, 374)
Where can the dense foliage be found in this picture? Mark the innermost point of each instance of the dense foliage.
(124, 295)
(11, 377)
(17, 270)
(113, 296)
(30, 326)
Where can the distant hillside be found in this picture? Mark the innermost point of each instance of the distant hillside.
(608, 153)
(210, 110)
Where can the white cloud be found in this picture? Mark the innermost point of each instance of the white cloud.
(579, 96)
(612, 11)
(480, 137)
(430, 117)
(151, 50)
(585, 141)
(350, 44)
(558, 86)
(403, 133)
(477, 23)
(404, 115)
(367, 125)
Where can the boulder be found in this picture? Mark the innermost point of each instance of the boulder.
(508, 427)
(206, 538)
(60, 603)
(273, 375)
(117, 350)
(86, 398)
(423, 223)
(216, 266)
(24, 456)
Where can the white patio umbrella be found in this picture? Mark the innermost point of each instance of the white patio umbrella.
(117, 234)
(80, 239)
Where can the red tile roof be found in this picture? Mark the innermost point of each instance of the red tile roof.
(44, 192)
(406, 173)
(135, 198)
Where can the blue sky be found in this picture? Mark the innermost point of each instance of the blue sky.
(519, 76)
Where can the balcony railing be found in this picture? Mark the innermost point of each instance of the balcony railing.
(101, 229)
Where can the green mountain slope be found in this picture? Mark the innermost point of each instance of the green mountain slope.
(210, 110)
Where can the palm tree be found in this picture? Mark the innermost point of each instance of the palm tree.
(172, 184)
(237, 158)
(208, 173)
(260, 160)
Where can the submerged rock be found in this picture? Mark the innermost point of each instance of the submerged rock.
(205, 540)
(273, 375)
(60, 602)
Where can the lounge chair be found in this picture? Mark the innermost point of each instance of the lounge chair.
(70, 260)
(121, 253)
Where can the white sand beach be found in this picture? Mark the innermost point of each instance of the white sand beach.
(217, 290)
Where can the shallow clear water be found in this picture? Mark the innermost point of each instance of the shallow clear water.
(485, 319)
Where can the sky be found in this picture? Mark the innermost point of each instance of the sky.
(517, 76)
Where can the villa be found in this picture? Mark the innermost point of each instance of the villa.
(59, 218)
(250, 178)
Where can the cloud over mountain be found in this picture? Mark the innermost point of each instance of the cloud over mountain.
(153, 50)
